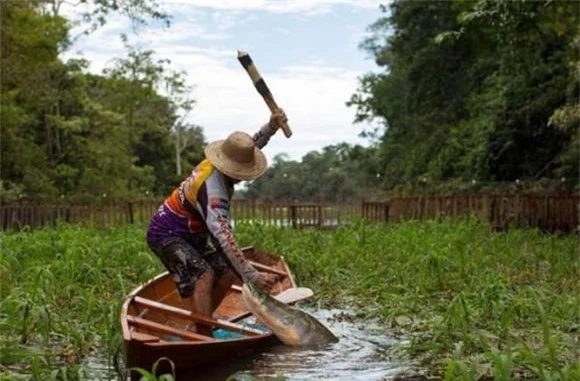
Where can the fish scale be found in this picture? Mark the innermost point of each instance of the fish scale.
(291, 325)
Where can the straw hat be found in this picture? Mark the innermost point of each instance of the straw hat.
(237, 157)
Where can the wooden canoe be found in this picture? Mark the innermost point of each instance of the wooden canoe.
(157, 323)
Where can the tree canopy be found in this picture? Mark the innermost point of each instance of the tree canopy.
(68, 133)
(484, 90)
(336, 173)
(470, 94)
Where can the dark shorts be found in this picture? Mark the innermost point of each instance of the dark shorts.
(186, 264)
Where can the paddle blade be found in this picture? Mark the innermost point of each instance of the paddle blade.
(293, 295)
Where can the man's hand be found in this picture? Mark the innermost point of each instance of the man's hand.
(277, 118)
(266, 281)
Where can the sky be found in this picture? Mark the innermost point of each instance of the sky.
(307, 52)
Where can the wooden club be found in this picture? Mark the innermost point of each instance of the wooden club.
(261, 86)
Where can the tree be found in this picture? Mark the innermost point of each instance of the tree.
(94, 13)
(30, 43)
(133, 92)
(189, 142)
(469, 89)
(337, 173)
(66, 132)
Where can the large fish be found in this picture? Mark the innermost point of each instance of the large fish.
(291, 325)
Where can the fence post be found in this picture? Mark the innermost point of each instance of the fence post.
(486, 209)
(518, 211)
(293, 221)
(130, 211)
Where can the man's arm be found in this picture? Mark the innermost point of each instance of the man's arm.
(217, 221)
(216, 212)
(262, 137)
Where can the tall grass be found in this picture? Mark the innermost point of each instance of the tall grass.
(61, 293)
(473, 303)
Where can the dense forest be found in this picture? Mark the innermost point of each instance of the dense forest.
(466, 93)
(68, 133)
(470, 94)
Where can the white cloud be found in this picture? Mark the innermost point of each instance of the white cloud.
(313, 98)
(309, 7)
(312, 93)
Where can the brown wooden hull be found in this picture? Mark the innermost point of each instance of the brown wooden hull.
(186, 355)
(158, 324)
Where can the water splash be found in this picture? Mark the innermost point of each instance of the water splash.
(361, 354)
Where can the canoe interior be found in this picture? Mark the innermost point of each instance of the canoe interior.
(156, 314)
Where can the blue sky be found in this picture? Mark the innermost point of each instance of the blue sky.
(307, 51)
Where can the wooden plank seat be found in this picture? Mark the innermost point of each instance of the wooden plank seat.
(196, 318)
(162, 328)
(268, 269)
(144, 337)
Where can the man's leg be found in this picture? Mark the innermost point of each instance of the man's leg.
(222, 285)
(203, 298)
(194, 277)
(225, 275)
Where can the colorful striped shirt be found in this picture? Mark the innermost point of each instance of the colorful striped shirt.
(198, 210)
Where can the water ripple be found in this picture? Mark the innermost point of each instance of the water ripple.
(360, 354)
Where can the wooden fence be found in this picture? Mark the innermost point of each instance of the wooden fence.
(17, 216)
(551, 212)
(298, 215)
(295, 214)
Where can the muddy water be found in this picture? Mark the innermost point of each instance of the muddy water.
(360, 354)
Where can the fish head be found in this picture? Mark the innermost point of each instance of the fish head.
(291, 325)
(255, 291)
(275, 315)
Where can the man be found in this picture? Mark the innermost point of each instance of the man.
(191, 233)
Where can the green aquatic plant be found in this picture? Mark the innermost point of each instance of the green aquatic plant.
(446, 282)
(62, 290)
(152, 375)
(510, 299)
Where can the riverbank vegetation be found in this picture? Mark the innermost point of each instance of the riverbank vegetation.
(465, 95)
(473, 303)
(468, 302)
